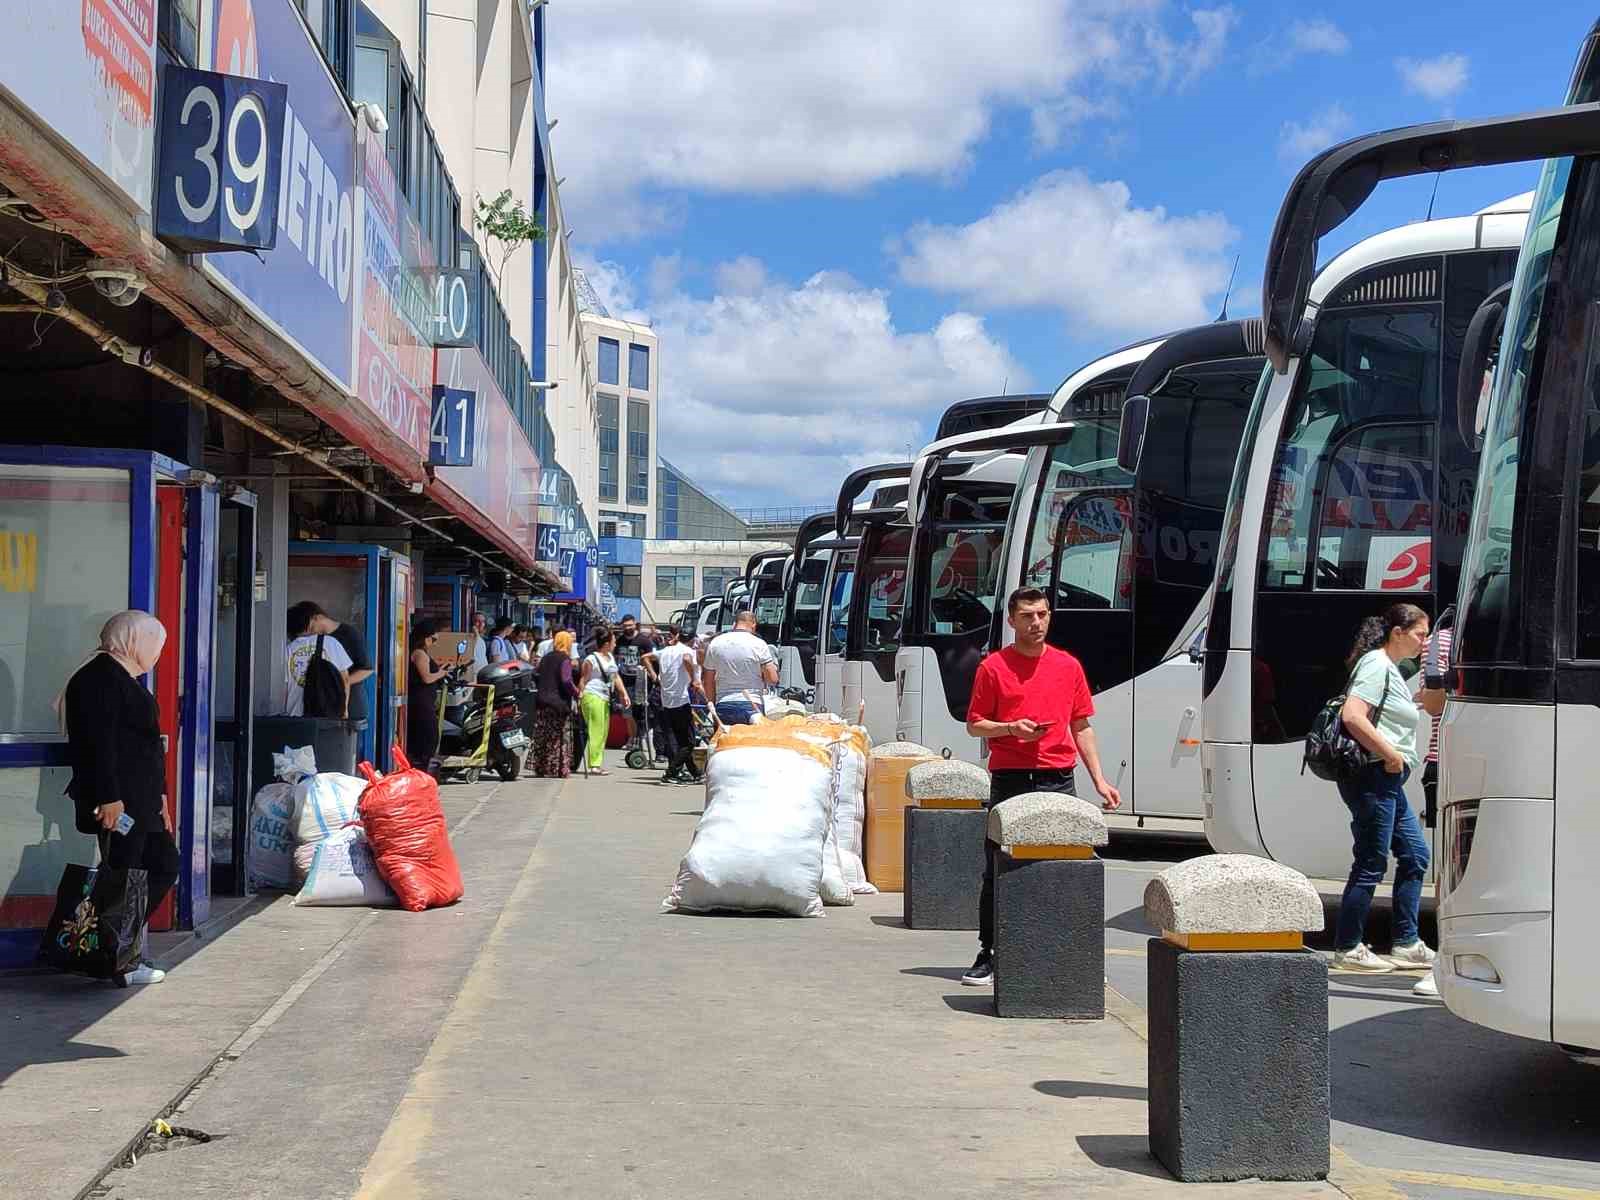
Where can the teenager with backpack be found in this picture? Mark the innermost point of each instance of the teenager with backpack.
(316, 666)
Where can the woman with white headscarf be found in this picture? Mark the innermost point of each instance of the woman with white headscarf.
(113, 729)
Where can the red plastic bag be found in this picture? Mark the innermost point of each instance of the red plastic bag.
(410, 843)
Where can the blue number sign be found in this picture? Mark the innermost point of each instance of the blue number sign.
(454, 293)
(219, 160)
(452, 435)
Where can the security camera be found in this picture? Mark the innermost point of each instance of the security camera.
(117, 284)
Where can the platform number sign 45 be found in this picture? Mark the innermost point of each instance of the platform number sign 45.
(219, 161)
(453, 432)
(549, 548)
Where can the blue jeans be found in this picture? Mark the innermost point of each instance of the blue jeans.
(1381, 822)
(736, 712)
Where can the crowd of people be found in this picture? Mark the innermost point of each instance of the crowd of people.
(652, 675)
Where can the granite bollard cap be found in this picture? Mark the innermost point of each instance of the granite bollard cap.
(901, 750)
(1232, 893)
(947, 779)
(1047, 819)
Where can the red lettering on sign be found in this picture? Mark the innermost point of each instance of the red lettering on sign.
(127, 66)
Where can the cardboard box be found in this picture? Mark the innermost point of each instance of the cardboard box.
(884, 832)
(454, 648)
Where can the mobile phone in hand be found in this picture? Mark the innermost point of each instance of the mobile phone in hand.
(124, 824)
(1043, 726)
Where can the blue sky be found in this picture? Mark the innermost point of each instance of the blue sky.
(844, 215)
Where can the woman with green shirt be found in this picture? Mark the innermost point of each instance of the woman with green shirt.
(1380, 713)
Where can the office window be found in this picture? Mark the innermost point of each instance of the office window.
(610, 354)
(715, 580)
(372, 76)
(638, 452)
(675, 583)
(608, 529)
(610, 434)
(638, 367)
(180, 21)
(624, 581)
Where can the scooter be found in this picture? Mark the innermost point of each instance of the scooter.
(481, 725)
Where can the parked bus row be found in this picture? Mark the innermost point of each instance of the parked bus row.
(1212, 512)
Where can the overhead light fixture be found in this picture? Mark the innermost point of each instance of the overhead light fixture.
(542, 385)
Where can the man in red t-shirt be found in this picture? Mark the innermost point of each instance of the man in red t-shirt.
(1031, 702)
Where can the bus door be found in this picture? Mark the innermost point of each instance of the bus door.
(1184, 465)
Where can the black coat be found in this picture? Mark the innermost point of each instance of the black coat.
(114, 745)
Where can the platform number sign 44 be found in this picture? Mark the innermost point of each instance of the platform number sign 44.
(220, 160)
(453, 432)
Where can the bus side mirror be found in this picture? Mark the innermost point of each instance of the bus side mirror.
(1479, 348)
(1130, 438)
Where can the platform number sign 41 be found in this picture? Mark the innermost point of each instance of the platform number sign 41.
(219, 161)
(453, 432)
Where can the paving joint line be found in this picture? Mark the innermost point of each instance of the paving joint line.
(257, 1028)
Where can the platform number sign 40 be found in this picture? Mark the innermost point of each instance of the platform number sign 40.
(454, 323)
(220, 160)
(453, 432)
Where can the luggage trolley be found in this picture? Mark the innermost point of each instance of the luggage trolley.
(640, 748)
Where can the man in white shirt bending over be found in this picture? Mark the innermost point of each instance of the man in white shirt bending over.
(739, 667)
(678, 668)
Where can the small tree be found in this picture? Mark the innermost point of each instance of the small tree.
(507, 223)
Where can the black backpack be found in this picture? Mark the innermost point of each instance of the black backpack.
(324, 686)
(1331, 752)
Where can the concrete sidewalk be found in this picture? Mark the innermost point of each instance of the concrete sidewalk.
(604, 1049)
(84, 1066)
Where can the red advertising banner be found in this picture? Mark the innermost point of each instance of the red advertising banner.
(502, 485)
(394, 361)
(118, 52)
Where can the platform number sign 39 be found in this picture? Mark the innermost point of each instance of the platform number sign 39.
(220, 160)
(453, 432)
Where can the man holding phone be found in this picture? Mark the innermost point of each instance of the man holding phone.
(1031, 702)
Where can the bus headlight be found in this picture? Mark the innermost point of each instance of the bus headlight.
(1460, 823)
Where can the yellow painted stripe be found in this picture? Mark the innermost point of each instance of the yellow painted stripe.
(1286, 940)
(1034, 852)
(1502, 1187)
(1357, 1181)
(948, 802)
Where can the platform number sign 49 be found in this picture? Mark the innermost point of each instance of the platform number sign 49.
(220, 160)
(453, 432)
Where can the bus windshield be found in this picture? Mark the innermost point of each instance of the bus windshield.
(1491, 621)
(808, 597)
(1352, 485)
(1217, 630)
(958, 569)
(882, 568)
(1088, 459)
(839, 603)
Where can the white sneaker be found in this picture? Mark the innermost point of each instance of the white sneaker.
(1361, 960)
(1427, 986)
(1417, 954)
(145, 973)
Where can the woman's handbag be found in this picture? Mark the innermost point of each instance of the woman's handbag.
(1331, 752)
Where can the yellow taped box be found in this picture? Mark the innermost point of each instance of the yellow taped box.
(884, 835)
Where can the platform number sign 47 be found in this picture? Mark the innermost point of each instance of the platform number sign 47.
(453, 432)
(220, 160)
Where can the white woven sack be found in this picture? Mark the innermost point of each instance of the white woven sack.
(759, 845)
(324, 803)
(343, 873)
(835, 888)
(271, 839)
(850, 814)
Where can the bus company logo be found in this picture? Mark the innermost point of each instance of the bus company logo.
(1411, 570)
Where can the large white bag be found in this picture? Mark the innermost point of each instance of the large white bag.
(343, 872)
(850, 811)
(324, 803)
(271, 837)
(760, 843)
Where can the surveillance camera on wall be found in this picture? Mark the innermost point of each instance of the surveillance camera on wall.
(117, 284)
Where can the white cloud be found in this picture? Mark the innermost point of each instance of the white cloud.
(1069, 243)
(1318, 36)
(775, 393)
(1298, 141)
(1441, 78)
(830, 95)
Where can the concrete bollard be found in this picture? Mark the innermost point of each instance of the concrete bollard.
(944, 844)
(1049, 907)
(1238, 1071)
